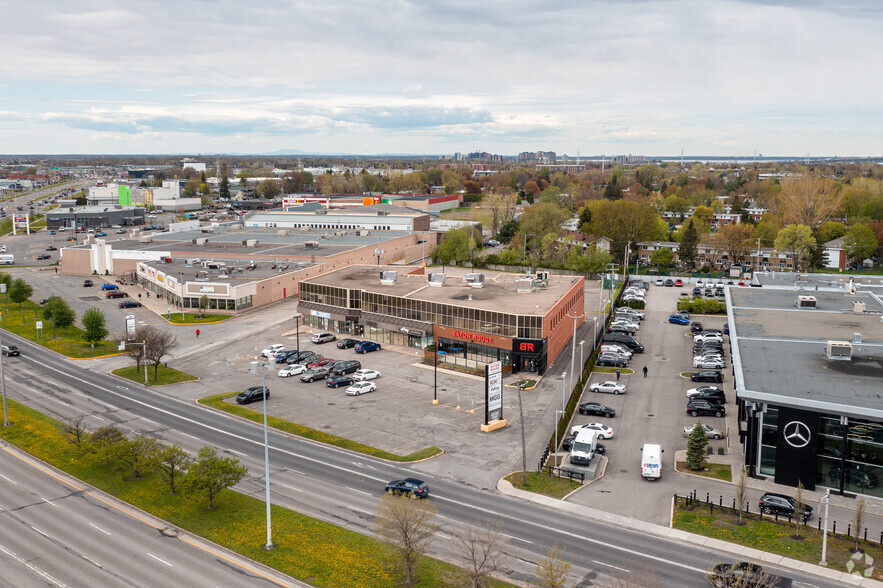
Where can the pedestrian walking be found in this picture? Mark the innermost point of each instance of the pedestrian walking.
(617, 374)
(645, 371)
(197, 336)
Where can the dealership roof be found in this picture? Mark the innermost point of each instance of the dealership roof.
(779, 351)
(499, 292)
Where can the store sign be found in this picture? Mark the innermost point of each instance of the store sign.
(493, 387)
(324, 315)
(473, 337)
(527, 346)
(206, 289)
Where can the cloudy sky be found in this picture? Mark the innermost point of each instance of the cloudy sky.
(649, 77)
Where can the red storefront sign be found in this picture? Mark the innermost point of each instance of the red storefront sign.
(473, 337)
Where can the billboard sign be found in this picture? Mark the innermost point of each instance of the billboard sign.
(130, 327)
(493, 386)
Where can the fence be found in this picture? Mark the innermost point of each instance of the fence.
(692, 500)
(571, 475)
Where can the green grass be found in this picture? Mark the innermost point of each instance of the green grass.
(306, 548)
(218, 401)
(165, 375)
(770, 536)
(191, 318)
(23, 324)
(612, 370)
(543, 483)
(717, 471)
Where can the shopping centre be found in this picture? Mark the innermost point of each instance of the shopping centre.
(476, 317)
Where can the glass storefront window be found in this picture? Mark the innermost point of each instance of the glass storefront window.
(767, 460)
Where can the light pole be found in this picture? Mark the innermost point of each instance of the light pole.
(573, 346)
(595, 332)
(827, 499)
(435, 353)
(582, 366)
(563, 389)
(6, 422)
(559, 414)
(181, 282)
(298, 317)
(254, 366)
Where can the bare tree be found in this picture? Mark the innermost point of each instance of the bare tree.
(172, 462)
(741, 491)
(809, 200)
(858, 521)
(483, 549)
(408, 526)
(136, 352)
(799, 503)
(74, 430)
(159, 344)
(553, 570)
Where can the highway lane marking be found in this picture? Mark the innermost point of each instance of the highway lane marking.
(99, 528)
(238, 452)
(516, 538)
(290, 487)
(359, 491)
(32, 567)
(49, 502)
(39, 531)
(42, 469)
(160, 560)
(601, 563)
(188, 435)
(8, 480)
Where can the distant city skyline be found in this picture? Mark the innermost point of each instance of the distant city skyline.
(645, 77)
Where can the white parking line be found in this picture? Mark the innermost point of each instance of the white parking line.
(160, 560)
(99, 528)
(191, 436)
(291, 487)
(237, 452)
(601, 563)
(49, 502)
(359, 491)
(8, 480)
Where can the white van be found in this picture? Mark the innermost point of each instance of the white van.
(651, 461)
(7, 259)
(583, 449)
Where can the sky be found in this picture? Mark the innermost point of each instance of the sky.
(611, 77)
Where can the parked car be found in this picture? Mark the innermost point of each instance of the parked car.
(622, 326)
(116, 294)
(782, 504)
(616, 348)
(10, 350)
(708, 363)
(360, 388)
(669, 283)
(320, 362)
(52, 248)
(660, 281)
(282, 356)
(856, 476)
(109, 286)
(301, 357)
(726, 328)
(629, 311)
(678, 319)
(363, 374)
(322, 338)
(366, 346)
(346, 367)
(44, 256)
(338, 381)
(612, 360)
(294, 369)
(410, 486)
(347, 343)
(251, 395)
(695, 327)
(604, 432)
(699, 407)
(708, 392)
(710, 432)
(316, 373)
(679, 283)
(129, 304)
(88, 283)
(609, 386)
(272, 349)
(707, 376)
(596, 409)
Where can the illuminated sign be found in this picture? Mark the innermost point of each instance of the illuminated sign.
(473, 337)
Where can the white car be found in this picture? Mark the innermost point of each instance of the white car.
(609, 386)
(710, 432)
(604, 432)
(362, 375)
(700, 284)
(709, 337)
(708, 364)
(294, 369)
(694, 391)
(719, 285)
(272, 349)
(616, 349)
(360, 388)
(659, 281)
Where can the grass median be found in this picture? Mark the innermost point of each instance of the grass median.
(543, 483)
(317, 552)
(164, 375)
(23, 322)
(191, 318)
(218, 401)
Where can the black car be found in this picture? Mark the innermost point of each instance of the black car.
(411, 486)
(725, 575)
(597, 409)
(567, 443)
(129, 304)
(696, 327)
(669, 283)
(87, 283)
(10, 350)
(611, 360)
(702, 407)
(715, 395)
(52, 248)
(858, 476)
(44, 256)
(726, 328)
(283, 357)
(347, 343)
(781, 504)
(44, 302)
(712, 376)
(251, 395)
(338, 381)
(300, 357)
(346, 367)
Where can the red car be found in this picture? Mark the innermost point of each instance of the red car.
(679, 283)
(319, 362)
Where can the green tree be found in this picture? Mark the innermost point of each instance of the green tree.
(457, 244)
(204, 303)
(768, 227)
(62, 315)
(138, 453)
(662, 257)
(696, 444)
(860, 242)
(799, 242)
(224, 184)
(591, 260)
(553, 570)
(212, 474)
(95, 325)
(269, 189)
(831, 230)
(508, 230)
(191, 187)
(540, 220)
(18, 292)
(585, 219)
(688, 249)
(172, 463)
(612, 191)
(624, 222)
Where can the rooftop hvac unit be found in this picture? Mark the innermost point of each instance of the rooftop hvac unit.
(857, 338)
(524, 285)
(542, 275)
(858, 307)
(540, 284)
(388, 277)
(475, 280)
(321, 211)
(437, 279)
(839, 350)
(806, 302)
(252, 242)
(311, 244)
(146, 239)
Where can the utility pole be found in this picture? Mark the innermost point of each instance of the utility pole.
(573, 345)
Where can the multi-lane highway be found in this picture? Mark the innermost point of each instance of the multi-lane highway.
(344, 488)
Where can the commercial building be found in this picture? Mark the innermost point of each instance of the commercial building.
(167, 197)
(378, 217)
(475, 318)
(94, 216)
(808, 366)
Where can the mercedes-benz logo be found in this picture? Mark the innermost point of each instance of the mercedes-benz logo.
(797, 434)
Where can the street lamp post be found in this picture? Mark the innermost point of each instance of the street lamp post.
(595, 332)
(827, 499)
(573, 347)
(6, 422)
(263, 365)
(582, 366)
(435, 375)
(563, 389)
(559, 414)
(298, 317)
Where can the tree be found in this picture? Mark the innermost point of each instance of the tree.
(159, 344)
(508, 230)
(662, 257)
(103, 441)
(138, 453)
(624, 222)
(696, 444)
(457, 244)
(585, 219)
(612, 191)
(831, 230)
(136, 352)
(204, 303)
(542, 219)
(552, 570)
(736, 240)
(799, 505)
(94, 323)
(798, 241)
(59, 313)
(688, 249)
(860, 241)
(172, 462)
(502, 205)
(48, 309)
(406, 524)
(858, 521)
(809, 200)
(269, 189)
(224, 184)
(484, 552)
(742, 491)
(212, 474)
(768, 227)
(74, 430)
(18, 292)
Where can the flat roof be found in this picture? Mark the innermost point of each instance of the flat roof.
(498, 294)
(779, 351)
(262, 270)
